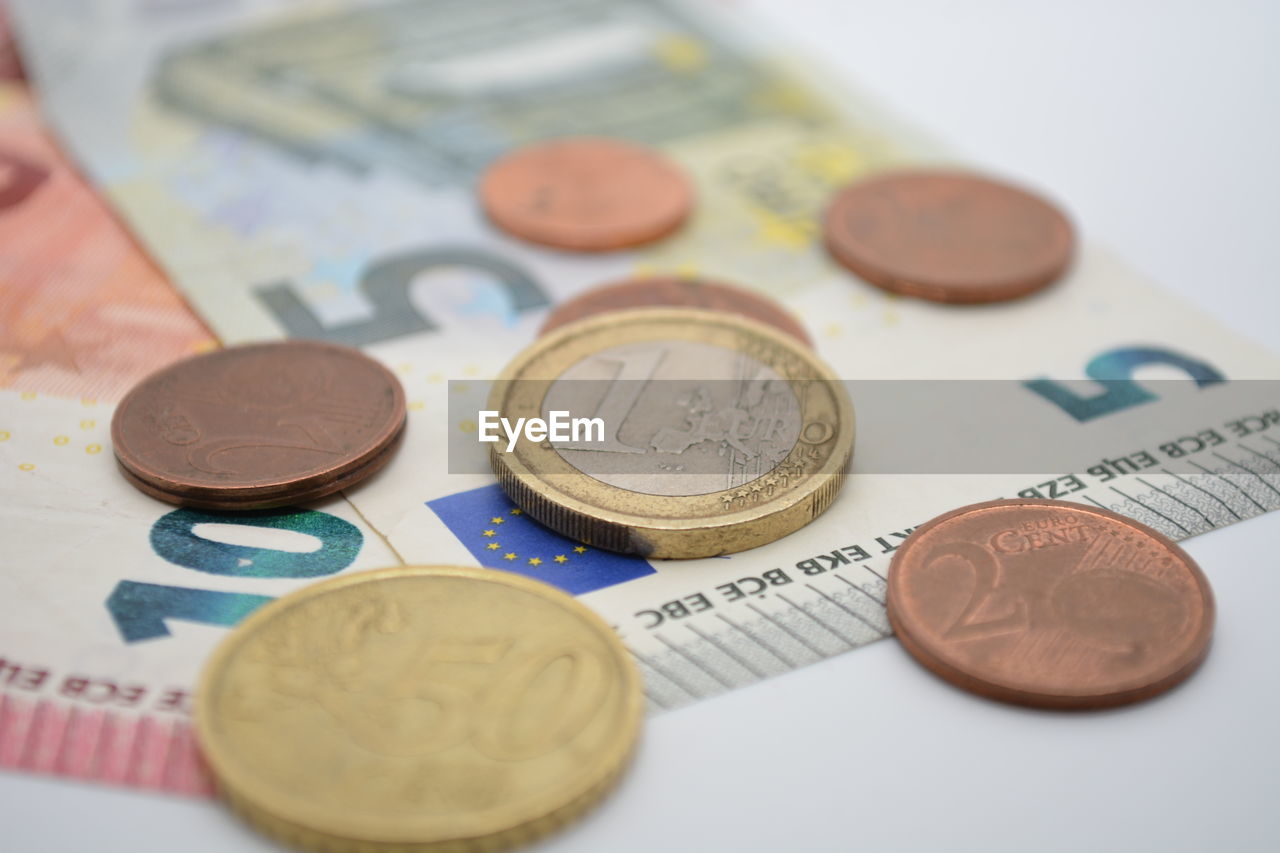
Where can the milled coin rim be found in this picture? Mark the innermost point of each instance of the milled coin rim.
(1022, 693)
(532, 473)
(253, 799)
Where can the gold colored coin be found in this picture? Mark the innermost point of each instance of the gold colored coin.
(418, 709)
(716, 433)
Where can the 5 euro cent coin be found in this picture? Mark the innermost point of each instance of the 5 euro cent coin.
(704, 433)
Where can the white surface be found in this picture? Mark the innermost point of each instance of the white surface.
(1156, 124)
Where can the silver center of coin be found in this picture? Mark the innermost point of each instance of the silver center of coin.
(680, 417)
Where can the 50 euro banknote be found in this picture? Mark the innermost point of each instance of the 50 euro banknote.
(306, 170)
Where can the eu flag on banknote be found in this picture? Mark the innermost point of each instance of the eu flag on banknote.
(501, 536)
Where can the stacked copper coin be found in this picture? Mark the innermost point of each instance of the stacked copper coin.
(259, 426)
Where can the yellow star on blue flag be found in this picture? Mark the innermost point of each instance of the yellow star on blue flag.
(485, 516)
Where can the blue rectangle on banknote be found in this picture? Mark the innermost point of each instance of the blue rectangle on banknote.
(501, 536)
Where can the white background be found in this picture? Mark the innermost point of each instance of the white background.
(1156, 123)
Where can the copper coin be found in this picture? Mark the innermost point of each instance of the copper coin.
(586, 193)
(259, 426)
(1050, 603)
(948, 236)
(669, 291)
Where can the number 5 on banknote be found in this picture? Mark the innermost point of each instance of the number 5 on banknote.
(1113, 370)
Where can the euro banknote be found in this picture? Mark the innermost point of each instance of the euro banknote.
(306, 170)
(83, 311)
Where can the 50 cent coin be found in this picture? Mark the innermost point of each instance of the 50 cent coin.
(418, 709)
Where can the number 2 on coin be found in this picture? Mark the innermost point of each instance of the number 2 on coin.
(986, 572)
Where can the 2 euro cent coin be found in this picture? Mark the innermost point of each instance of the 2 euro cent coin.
(1050, 603)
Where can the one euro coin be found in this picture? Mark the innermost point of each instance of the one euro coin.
(671, 432)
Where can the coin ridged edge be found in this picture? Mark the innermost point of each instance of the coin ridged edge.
(602, 533)
(616, 534)
(1057, 701)
(297, 834)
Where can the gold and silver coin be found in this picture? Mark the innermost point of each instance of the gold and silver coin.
(717, 433)
(421, 708)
